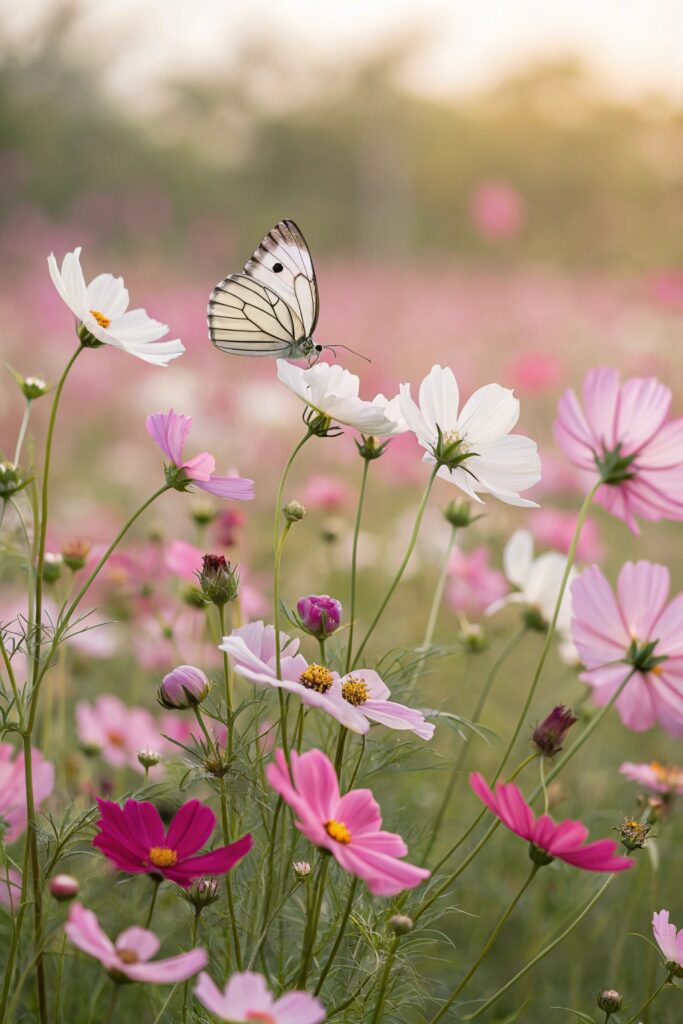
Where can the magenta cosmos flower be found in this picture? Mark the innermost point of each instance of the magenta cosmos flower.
(669, 941)
(128, 958)
(170, 430)
(565, 841)
(348, 826)
(246, 998)
(137, 842)
(622, 434)
(13, 792)
(634, 629)
(660, 778)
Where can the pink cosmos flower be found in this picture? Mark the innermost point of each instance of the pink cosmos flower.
(669, 941)
(660, 778)
(635, 628)
(348, 826)
(622, 434)
(128, 958)
(554, 528)
(117, 731)
(12, 788)
(473, 585)
(369, 695)
(325, 492)
(246, 998)
(137, 842)
(549, 840)
(170, 430)
(497, 209)
(183, 560)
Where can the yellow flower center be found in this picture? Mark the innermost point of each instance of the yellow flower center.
(317, 678)
(657, 670)
(453, 437)
(116, 738)
(355, 691)
(102, 320)
(162, 857)
(668, 775)
(338, 831)
(128, 956)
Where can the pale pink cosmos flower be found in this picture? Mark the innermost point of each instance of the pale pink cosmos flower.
(367, 692)
(549, 840)
(348, 826)
(117, 731)
(622, 435)
(170, 430)
(325, 492)
(555, 528)
(246, 998)
(473, 585)
(660, 778)
(129, 958)
(634, 628)
(668, 939)
(12, 788)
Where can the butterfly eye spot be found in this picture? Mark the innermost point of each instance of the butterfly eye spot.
(277, 268)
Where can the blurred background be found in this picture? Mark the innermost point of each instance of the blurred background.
(496, 186)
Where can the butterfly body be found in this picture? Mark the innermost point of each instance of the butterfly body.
(271, 308)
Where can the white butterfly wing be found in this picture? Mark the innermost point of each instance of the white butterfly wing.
(247, 318)
(283, 263)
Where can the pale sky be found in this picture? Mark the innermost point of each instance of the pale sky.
(635, 45)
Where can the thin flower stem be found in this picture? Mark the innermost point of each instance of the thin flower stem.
(321, 648)
(279, 544)
(14, 944)
(402, 568)
(340, 935)
(22, 431)
(379, 1005)
(193, 943)
(487, 947)
(457, 770)
(152, 902)
(434, 610)
(352, 780)
(112, 1005)
(32, 851)
(228, 881)
(12, 679)
(650, 1000)
(339, 756)
(312, 924)
(264, 934)
(571, 555)
(227, 680)
(58, 983)
(270, 872)
(545, 951)
(354, 562)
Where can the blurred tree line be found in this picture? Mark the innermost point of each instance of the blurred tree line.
(364, 165)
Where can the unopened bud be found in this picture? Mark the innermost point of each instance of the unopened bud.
(184, 687)
(401, 924)
(473, 637)
(75, 554)
(294, 511)
(193, 596)
(218, 580)
(370, 448)
(63, 887)
(30, 387)
(52, 566)
(203, 513)
(301, 869)
(549, 735)
(320, 614)
(609, 1000)
(11, 480)
(458, 514)
(202, 893)
(148, 758)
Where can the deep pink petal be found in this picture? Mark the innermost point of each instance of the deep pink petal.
(360, 812)
(190, 829)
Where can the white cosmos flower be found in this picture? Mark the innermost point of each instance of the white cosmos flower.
(101, 309)
(333, 392)
(537, 580)
(499, 463)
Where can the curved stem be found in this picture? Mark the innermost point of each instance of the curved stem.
(354, 562)
(112, 1005)
(152, 902)
(545, 951)
(340, 935)
(379, 1005)
(435, 608)
(22, 431)
(402, 567)
(312, 924)
(649, 1001)
(279, 544)
(571, 555)
(227, 680)
(487, 947)
(193, 943)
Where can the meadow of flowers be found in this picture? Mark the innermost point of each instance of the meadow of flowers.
(265, 707)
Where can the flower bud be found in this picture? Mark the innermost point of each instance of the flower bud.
(193, 596)
(202, 893)
(301, 869)
(63, 887)
(203, 513)
(400, 924)
(634, 834)
(549, 735)
(52, 566)
(473, 637)
(30, 387)
(184, 687)
(532, 619)
(320, 614)
(148, 758)
(609, 1000)
(11, 480)
(458, 514)
(218, 580)
(370, 448)
(294, 511)
(75, 554)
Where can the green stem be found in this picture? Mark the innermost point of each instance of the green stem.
(487, 947)
(340, 935)
(354, 562)
(571, 555)
(279, 544)
(32, 845)
(637, 1016)
(312, 924)
(379, 1005)
(227, 679)
(22, 431)
(152, 903)
(402, 568)
(193, 943)
(264, 933)
(460, 762)
(58, 985)
(341, 743)
(112, 1005)
(545, 951)
(228, 881)
(435, 608)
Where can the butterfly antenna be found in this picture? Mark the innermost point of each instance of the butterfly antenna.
(333, 350)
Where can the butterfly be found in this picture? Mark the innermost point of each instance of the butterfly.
(271, 308)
